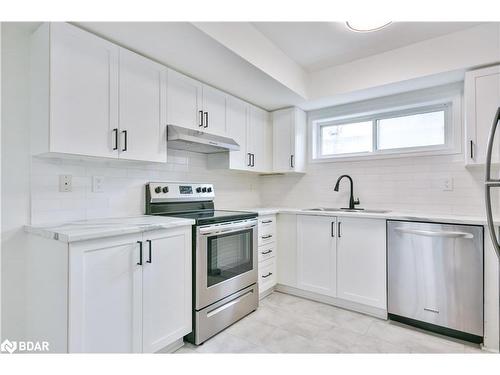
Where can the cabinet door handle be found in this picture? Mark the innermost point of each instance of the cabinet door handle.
(253, 160)
(267, 236)
(266, 252)
(267, 222)
(249, 160)
(201, 119)
(115, 130)
(206, 120)
(338, 230)
(150, 246)
(139, 263)
(333, 229)
(124, 132)
(291, 161)
(471, 149)
(269, 274)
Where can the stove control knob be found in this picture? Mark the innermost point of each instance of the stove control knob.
(165, 189)
(209, 189)
(198, 189)
(204, 190)
(158, 189)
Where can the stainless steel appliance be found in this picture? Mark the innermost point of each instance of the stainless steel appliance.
(435, 277)
(225, 277)
(180, 138)
(490, 182)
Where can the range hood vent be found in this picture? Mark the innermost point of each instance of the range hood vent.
(180, 138)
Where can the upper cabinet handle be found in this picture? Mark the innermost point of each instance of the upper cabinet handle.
(115, 130)
(139, 263)
(201, 119)
(206, 120)
(249, 160)
(150, 251)
(291, 161)
(471, 149)
(333, 229)
(125, 140)
(253, 160)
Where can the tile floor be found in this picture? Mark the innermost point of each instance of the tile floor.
(289, 324)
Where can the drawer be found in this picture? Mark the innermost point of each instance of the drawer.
(266, 239)
(267, 274)
(267, 224)
(266, 252)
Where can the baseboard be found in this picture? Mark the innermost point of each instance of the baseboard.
(337, 302)
(265, 293)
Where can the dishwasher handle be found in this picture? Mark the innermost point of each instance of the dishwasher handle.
(431, 233)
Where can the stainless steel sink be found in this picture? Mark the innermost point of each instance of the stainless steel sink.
(358, 210)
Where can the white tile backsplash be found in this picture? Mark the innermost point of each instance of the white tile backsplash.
(124, 184)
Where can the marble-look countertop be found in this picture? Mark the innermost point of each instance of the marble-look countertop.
(98, 228)
(391, 215)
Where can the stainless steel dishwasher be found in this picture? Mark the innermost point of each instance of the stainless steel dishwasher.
(435, 277)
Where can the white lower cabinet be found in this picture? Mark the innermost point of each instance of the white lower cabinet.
(337, 260)
(316, 254)
(120, 299)
(361, 261)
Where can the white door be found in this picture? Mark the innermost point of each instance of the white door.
(143, 89)
(214, 107)
(260, 140)
(167, 288)
(316, 254)
(237, 129)
(482, 99)
(105, 297)
(83, 92)
(361, 261)
(283, 134)
(184, 105)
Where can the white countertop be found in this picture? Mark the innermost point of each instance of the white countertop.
(98, 228)
(391, 215)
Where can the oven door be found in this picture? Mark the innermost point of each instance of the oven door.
(226, 260)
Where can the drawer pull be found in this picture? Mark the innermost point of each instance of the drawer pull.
(267, 222)
(269, 274)
(266, 252)
(266, 237)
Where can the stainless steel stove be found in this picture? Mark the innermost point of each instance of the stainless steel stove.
(225, 285)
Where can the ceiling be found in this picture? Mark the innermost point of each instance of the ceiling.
(318, 45)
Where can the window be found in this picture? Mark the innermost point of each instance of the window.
(416, 129)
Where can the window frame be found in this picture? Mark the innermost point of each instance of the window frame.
(449, 97)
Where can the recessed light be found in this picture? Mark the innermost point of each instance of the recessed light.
(366, 26)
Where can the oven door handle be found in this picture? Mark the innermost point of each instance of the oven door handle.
(233, 228)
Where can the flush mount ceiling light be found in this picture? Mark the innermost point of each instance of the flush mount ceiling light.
(367, 26)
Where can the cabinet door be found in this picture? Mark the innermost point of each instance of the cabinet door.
(316, 254)
(167, 289)
(183, 101)
(214, 107)
(237, 129)
(105, 294)
(286, 230)
(83, 92)
(283, 134)
(260, 140)
(361, 261)
(143, 89)
(482, 98)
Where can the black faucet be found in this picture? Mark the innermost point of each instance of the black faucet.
(352, 201)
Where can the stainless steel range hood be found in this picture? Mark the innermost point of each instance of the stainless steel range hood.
(180, 138)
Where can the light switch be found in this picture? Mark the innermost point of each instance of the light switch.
(447, 183)
(97, 184)
(65, 183)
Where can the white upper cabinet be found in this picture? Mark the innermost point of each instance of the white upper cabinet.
(316, 254)
(76, 75)
(482, 99)
(289, 140)
(184, 101)
(361, 261)
(90, 97)
(237, 119)
(259, 140)
(214, 110)
(143, 89)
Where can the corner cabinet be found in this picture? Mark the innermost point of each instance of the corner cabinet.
(289, 140)
(90, 97)
(125, 294)
(482, 99)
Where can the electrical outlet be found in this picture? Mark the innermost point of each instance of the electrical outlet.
(98, 184)
(65, 183)
(447, 184)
